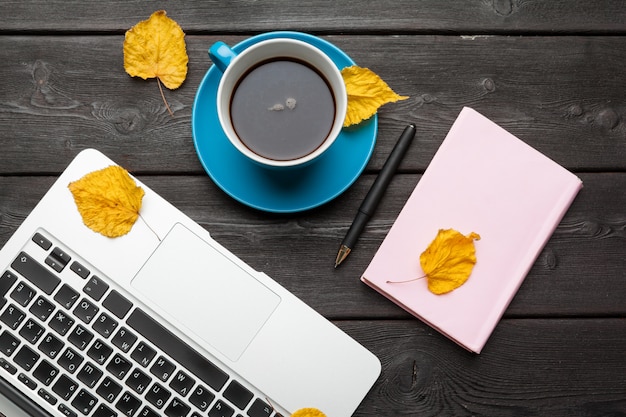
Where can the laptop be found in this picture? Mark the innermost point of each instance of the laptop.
(163, 321)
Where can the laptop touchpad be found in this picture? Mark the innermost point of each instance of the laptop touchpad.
(205, 292)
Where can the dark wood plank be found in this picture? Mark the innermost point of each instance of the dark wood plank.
(557, 368)
(581, 272)
(557, 16)
(62, 94)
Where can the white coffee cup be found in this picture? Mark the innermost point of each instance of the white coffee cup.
(275, 112)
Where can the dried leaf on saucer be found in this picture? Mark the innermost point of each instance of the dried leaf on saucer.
(108, 200)
(366, 93)
(155, 48)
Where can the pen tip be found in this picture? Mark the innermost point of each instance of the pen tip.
(342, 255)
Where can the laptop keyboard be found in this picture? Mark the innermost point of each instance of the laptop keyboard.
(88, 351)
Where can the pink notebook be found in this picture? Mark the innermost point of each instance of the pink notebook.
(484, 180)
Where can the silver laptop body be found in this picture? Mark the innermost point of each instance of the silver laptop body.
(163, 321)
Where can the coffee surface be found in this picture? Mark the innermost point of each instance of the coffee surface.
(282, 109)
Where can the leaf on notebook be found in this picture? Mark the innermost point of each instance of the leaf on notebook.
(448, 261)
(308, 412)
(155, 48)
(108, 200)
(366, 93)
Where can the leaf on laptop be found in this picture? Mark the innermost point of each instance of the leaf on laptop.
(308, 412)
(108, 200)
(155, 48)
(448, 261)
(366, 93)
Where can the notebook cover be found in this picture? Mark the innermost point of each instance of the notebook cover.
(484, 180)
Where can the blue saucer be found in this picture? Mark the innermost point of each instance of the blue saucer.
(271, 190)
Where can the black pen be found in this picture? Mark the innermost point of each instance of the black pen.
(374, 195)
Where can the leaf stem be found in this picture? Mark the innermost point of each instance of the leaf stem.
(164, 100)
(405, 281)
(151, 229)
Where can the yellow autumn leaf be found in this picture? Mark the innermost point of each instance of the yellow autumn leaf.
(108, 200)
(308, 412)
(448, 261)
(366, 93)
(156, 48)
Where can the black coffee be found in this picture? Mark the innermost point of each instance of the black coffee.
(282, 109)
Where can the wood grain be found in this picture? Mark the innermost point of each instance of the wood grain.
(319, 16)
(63, 94)
(558, 368)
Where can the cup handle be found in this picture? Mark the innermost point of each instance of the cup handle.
(221, 55)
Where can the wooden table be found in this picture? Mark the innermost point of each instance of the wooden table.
(551, 72)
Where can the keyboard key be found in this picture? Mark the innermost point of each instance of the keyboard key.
(42, 308)
(58, 259)
(86, 310)
(99, 352)
(201, 397)
(36, 273)
(182, 383)
(70, 360)
(143, 354)
(138, 381)
(42, 241)
(109, 389)
(105, 325)
(65, 387)
(177, 349)
(84, 402)
(119, 366)
(221, 409)
(8, 343)
(12, 316)
(177, 408)
(31, 331)
(237, 394)
(61, 322)
(148, 412)
(4, 364)
(45, 372)
(51, 345)
(162, 368)
(23, 293)
(50, 399)
(260, 408)
(25, 379)
(80, 337)
(128, 404)
(95, 288)
(66, 411)
(79, 269)
(26, 358)
(124, 339)
(89, 375)
(158, 395)
(117, 304)
(66, 296)
(104, 411)
(6, 282)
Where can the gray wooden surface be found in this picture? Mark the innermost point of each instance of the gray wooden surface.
(551, 72)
